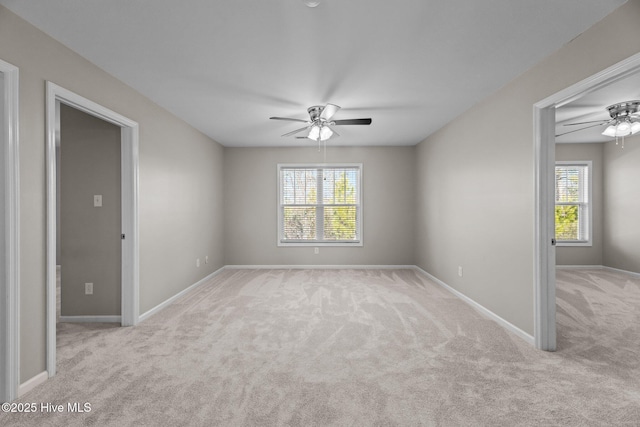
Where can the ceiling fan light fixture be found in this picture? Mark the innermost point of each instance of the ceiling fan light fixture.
(623, 129)
(314, 133)
(610, 131)
(312, 3)
(325, 133)
(635, 128)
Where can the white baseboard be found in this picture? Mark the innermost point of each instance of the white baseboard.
(486, 312)
(319, 267)
(167, 302)
(596, 267)
(579, 267)
(90, 319)
(617, 270)
(32, 383)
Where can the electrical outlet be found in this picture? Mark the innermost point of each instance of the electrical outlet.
(316, 251)
(198, 262)
(460, 270)
(88, 288)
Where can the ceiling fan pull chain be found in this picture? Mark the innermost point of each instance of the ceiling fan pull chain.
(325, 151)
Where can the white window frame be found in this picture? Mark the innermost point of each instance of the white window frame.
(280, 206)
(586, 206)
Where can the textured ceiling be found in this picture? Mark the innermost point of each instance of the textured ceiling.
(225, 67)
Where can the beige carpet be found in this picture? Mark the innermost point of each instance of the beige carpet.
(350, 348)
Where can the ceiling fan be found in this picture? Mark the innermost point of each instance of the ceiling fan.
(624, 121)
(319, 125)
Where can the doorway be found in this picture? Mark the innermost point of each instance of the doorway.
(57, 97)
(88, 218)
(9, 235)
(544, 140)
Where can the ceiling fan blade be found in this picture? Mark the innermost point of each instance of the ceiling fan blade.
(328, 111)
(289, 119)
(586, 123)
(351, 122)
(577, 130)
(296, 131)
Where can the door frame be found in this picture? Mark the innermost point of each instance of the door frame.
(10, 237)
(129, 193)
(544, 142)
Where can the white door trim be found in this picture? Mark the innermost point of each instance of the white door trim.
(544, 142)
(10, 237)
(130, 245)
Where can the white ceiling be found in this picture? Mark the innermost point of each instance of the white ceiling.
(225, 67)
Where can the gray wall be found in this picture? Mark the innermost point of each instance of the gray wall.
(251, 206)
(180, 207)
(621, 246)
(476, 176)
(585, 255)
(90, 245)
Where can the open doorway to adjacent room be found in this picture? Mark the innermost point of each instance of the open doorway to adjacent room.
(586, 101)
(88, 211)
(92, 226)
(597, 232)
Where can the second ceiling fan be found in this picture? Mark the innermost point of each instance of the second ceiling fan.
(624, 120)
(320, 123)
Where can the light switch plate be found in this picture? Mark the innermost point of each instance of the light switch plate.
(97, 201)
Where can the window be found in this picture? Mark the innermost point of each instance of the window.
(573, 203)
(320, 205)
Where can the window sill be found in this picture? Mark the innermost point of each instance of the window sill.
(574, 243)
(321, 244)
